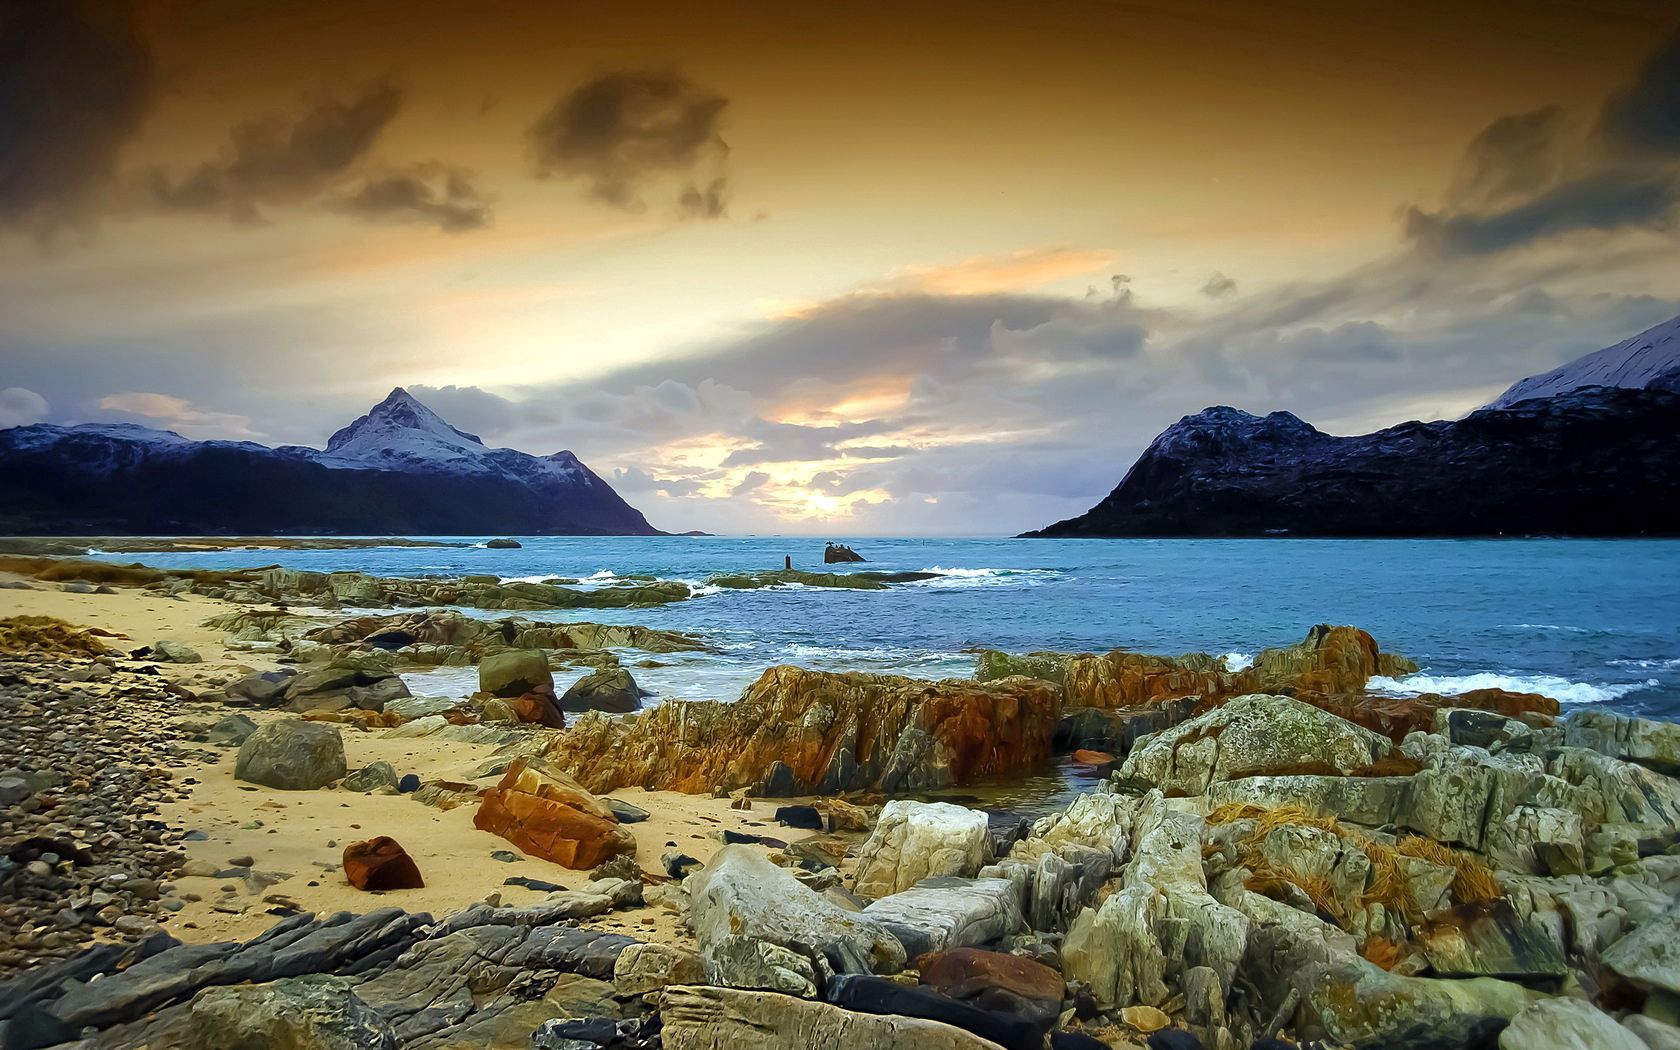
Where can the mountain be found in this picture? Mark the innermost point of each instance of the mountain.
(1588, 461)
(398, 469)
(1635, 362)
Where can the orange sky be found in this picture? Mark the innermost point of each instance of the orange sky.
(1014, 235)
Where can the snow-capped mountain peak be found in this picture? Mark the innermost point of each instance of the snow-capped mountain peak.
(1635, 362)
(401, 433)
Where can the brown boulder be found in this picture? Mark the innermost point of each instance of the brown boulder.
(546, 813)
(539, 709)
(381, 864)
(994, 981)
(1087, 757)
(1395, 716)
(802, 732)
(1123, 679)
(1328, 660)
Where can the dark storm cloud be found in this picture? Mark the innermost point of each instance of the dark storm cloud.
(755, 480)
(1523, 182)
(623, 130)
(76, 82)
(1607, 200)
(1646, 115)
(1514, 155)
(426, 194)
(283, 160)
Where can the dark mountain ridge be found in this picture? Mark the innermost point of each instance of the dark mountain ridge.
(1590, 461)
(398, 469)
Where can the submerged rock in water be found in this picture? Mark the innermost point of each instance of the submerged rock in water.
(835, 553)
(797, 731)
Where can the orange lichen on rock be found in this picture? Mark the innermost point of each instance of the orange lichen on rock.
(1122, 679)
(546, 813)
(797, 731)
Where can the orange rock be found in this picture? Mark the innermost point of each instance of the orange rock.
(1395, 716)
(798, 732)
(1122, 679)
(1087, 757)
(544, 812)
(538, 709)
(381, 864)
(972, 973)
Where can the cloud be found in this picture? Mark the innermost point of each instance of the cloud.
(621, 131)
(20, 407)
(1219, 286)
(77, 80)
(1615, 199)
(1523, 182)
(1021, 271)
(276, 160)
(753, 481)
(1646, 114)
(634, 480)
(177, 414)
(429, 194)
(1515, 155)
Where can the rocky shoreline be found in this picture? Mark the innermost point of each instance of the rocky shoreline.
(1271, 856)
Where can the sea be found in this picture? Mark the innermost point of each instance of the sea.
(1588, 622)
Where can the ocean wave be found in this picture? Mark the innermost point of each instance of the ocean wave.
(1560, 689)
(1238, 661)
(948, 577)
(886, 654)
(1545, 627)
(1647, 665)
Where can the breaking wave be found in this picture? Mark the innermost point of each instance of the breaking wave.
(1560, 689)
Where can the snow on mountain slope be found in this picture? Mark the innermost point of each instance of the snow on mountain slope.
(1634, 362)
(400, 433)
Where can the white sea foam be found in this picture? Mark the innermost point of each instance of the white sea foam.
(1546, 627)
(1238, 661)
(1559, 689)
(957, 578)
(1647, 664)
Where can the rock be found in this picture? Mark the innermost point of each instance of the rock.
(515, 672)
(1655, 745)
(381, 864)
(293, 755)
(1366, 1008)
(625, 812)
(1655, 1034)
(835, 553)
(1328, 660)
(996, 982)
(1489, 939)
(503, 545)
(1256, 735)
(409, 783)
(547, 814)
(1162, 920)
(1086, 757)
(372, 777)
(991, 665)
(347, 681)
(799, 732)
(1566, 1024)
(741, 894)
(747, 962)
(231, 729)
(949, 912)
(262, 688)
(700, 1018)
(412, 707)
(609, 689)
(878, 995)
(1650, 955)
(913, 841)
(175, 653)
(299, 1013)
(643, 968)
(1145, 1019)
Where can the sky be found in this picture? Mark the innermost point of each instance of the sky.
(854, 269)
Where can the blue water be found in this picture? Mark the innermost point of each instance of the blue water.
(1585, 621)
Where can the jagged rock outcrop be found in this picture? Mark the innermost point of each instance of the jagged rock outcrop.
(1593, 461)
(713, 1018)
(798, 731)
(446, 636)
(1256, 735)
(1336, 660)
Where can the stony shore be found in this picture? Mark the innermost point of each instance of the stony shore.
(228, 823)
